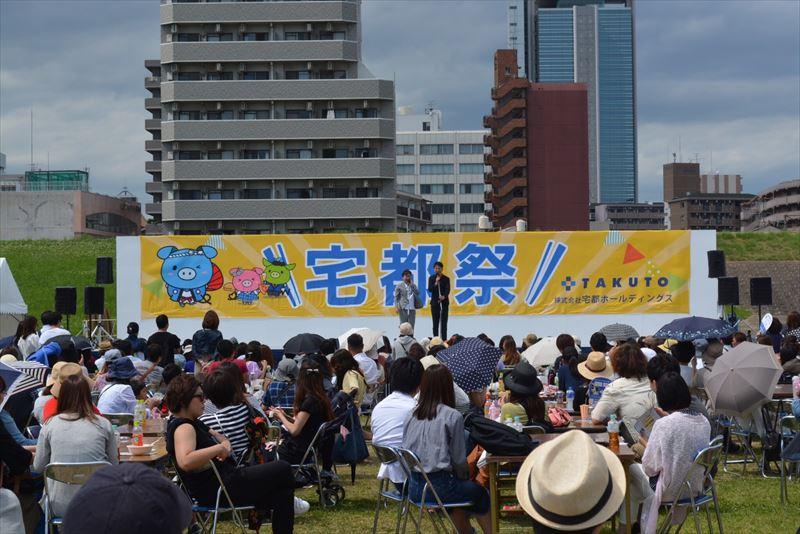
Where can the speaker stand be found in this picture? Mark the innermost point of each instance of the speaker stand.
(96, 334)
(759, 317)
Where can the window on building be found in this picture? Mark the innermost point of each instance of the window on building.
(333, 114)
(405, 150)
(435, 150)
(189, 76)
(439, 209)
(224, 115)
(255, 194)
(297, 36)
(299, 153)
(332, 36)
(219, 154)
(298, 114)
(189, 194)
(217, 76)
(221, 194)
(363, 152)
(436, 168)
(335, 192)
(436, 189)
(470, 168)
(332, 75)
(366, 113)
(217, 37)
(470, 189)
(295, 194)
(188, 154)
(255, 154)
(405, 169)
(367, 192)
(406, 188)
(468, 227)
(255, 114)
(335, 153)
(187, 37)
(112, 223)
(188, 115)
(471, 207)
(255, 75)
(255, 36)
(470, 148)
(298, 74)
(426, 126)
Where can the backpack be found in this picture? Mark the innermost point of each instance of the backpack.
(497, 438)
(771, 441)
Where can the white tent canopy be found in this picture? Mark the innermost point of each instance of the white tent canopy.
(11, 302)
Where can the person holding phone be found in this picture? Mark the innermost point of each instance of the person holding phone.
(406, 299)
(439, 289)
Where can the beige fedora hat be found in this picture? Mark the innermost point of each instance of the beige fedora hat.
(571, 483)
(594, 366)
(67, 370)
(427, 361)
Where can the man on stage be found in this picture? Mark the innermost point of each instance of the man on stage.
(439, 289)
(406, 299)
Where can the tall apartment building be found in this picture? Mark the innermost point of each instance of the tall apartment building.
(707, 211)
(443, 166)
(629, 216)
(721, 183)
(591, 42)
(539, 151)
(774, 208)
(680, 179)
(268, 122)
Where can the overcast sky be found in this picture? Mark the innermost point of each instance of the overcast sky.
(721, 75)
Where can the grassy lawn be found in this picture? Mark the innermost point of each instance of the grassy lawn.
(777, 246)
(749, 504)
(41, 266)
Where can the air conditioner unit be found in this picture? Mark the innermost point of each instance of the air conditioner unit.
(170, 155)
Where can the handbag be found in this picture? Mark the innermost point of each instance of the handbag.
(350, 446)
(559, 417)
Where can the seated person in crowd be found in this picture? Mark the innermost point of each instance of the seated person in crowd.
(225, 353)
(461, 398)
(192, 445)
(65, 370)
(571, 484)
(281, 391)
(672, 445)
(355, 344)
(312, 408)
(570, 377)
(389, 415)
(118, 396)
(434, 431)
(233, 411)
(8, 423)
(629, 396)
(349, 376)
(524, 401)
(150, 369)
(75, 434)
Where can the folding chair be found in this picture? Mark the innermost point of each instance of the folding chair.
(119, 419)
(707, 459)
(425, 503)
(72, 474)
(330, 494)
(743, 435)
(789, 430)
(386, 490)
(32, 431)
(210, 514)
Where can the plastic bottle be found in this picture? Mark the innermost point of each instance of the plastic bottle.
(570, 399)
(487, 405)
(117, 435)
(139, 415)
(796, 386)
(613, 433)
(518, 423)
(494, 411)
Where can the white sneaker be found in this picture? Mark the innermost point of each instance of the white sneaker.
(300, 506)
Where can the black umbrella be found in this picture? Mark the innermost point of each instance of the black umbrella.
(472, 363)
(691, 328)
(303, 344)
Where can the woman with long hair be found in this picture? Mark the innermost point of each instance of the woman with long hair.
(192, 446)
(311, 409)
(523, 387)
(349, 377)
(511, 355)
(26, 338)
(205, 340)
(570, 377)
(74, 434)
(435, 433)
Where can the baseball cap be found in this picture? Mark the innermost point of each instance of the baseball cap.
(128, 498)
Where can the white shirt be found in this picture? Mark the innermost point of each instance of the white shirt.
(28, 346)
(388, 418)
(116, 398)
(49, 332)
(370, 369)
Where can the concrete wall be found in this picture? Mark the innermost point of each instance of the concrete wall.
(37, 215)
(785, 283)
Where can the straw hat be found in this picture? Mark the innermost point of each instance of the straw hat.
(105, 345)
(594, 366)
(8, 358)
(427, 361)
(437, 341)
(571, 483)
(66, 370)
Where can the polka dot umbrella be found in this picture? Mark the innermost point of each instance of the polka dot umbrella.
(472, 363)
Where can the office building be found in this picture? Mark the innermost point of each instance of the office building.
(58, 205)
(720, 183)
(592, 42)
(268, 122)
(707, 211)
(413, 212)
(539, 151)
(444, 166)
(680, 178)
(628, 216)
(774, 208)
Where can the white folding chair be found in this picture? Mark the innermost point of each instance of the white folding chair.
(209, 515)
(694, 498)
(72, 474)
(429, 500)
(789, 430)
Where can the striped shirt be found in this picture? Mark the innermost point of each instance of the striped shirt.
(230, 422)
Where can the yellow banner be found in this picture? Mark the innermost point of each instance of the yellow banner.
(494, 273)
